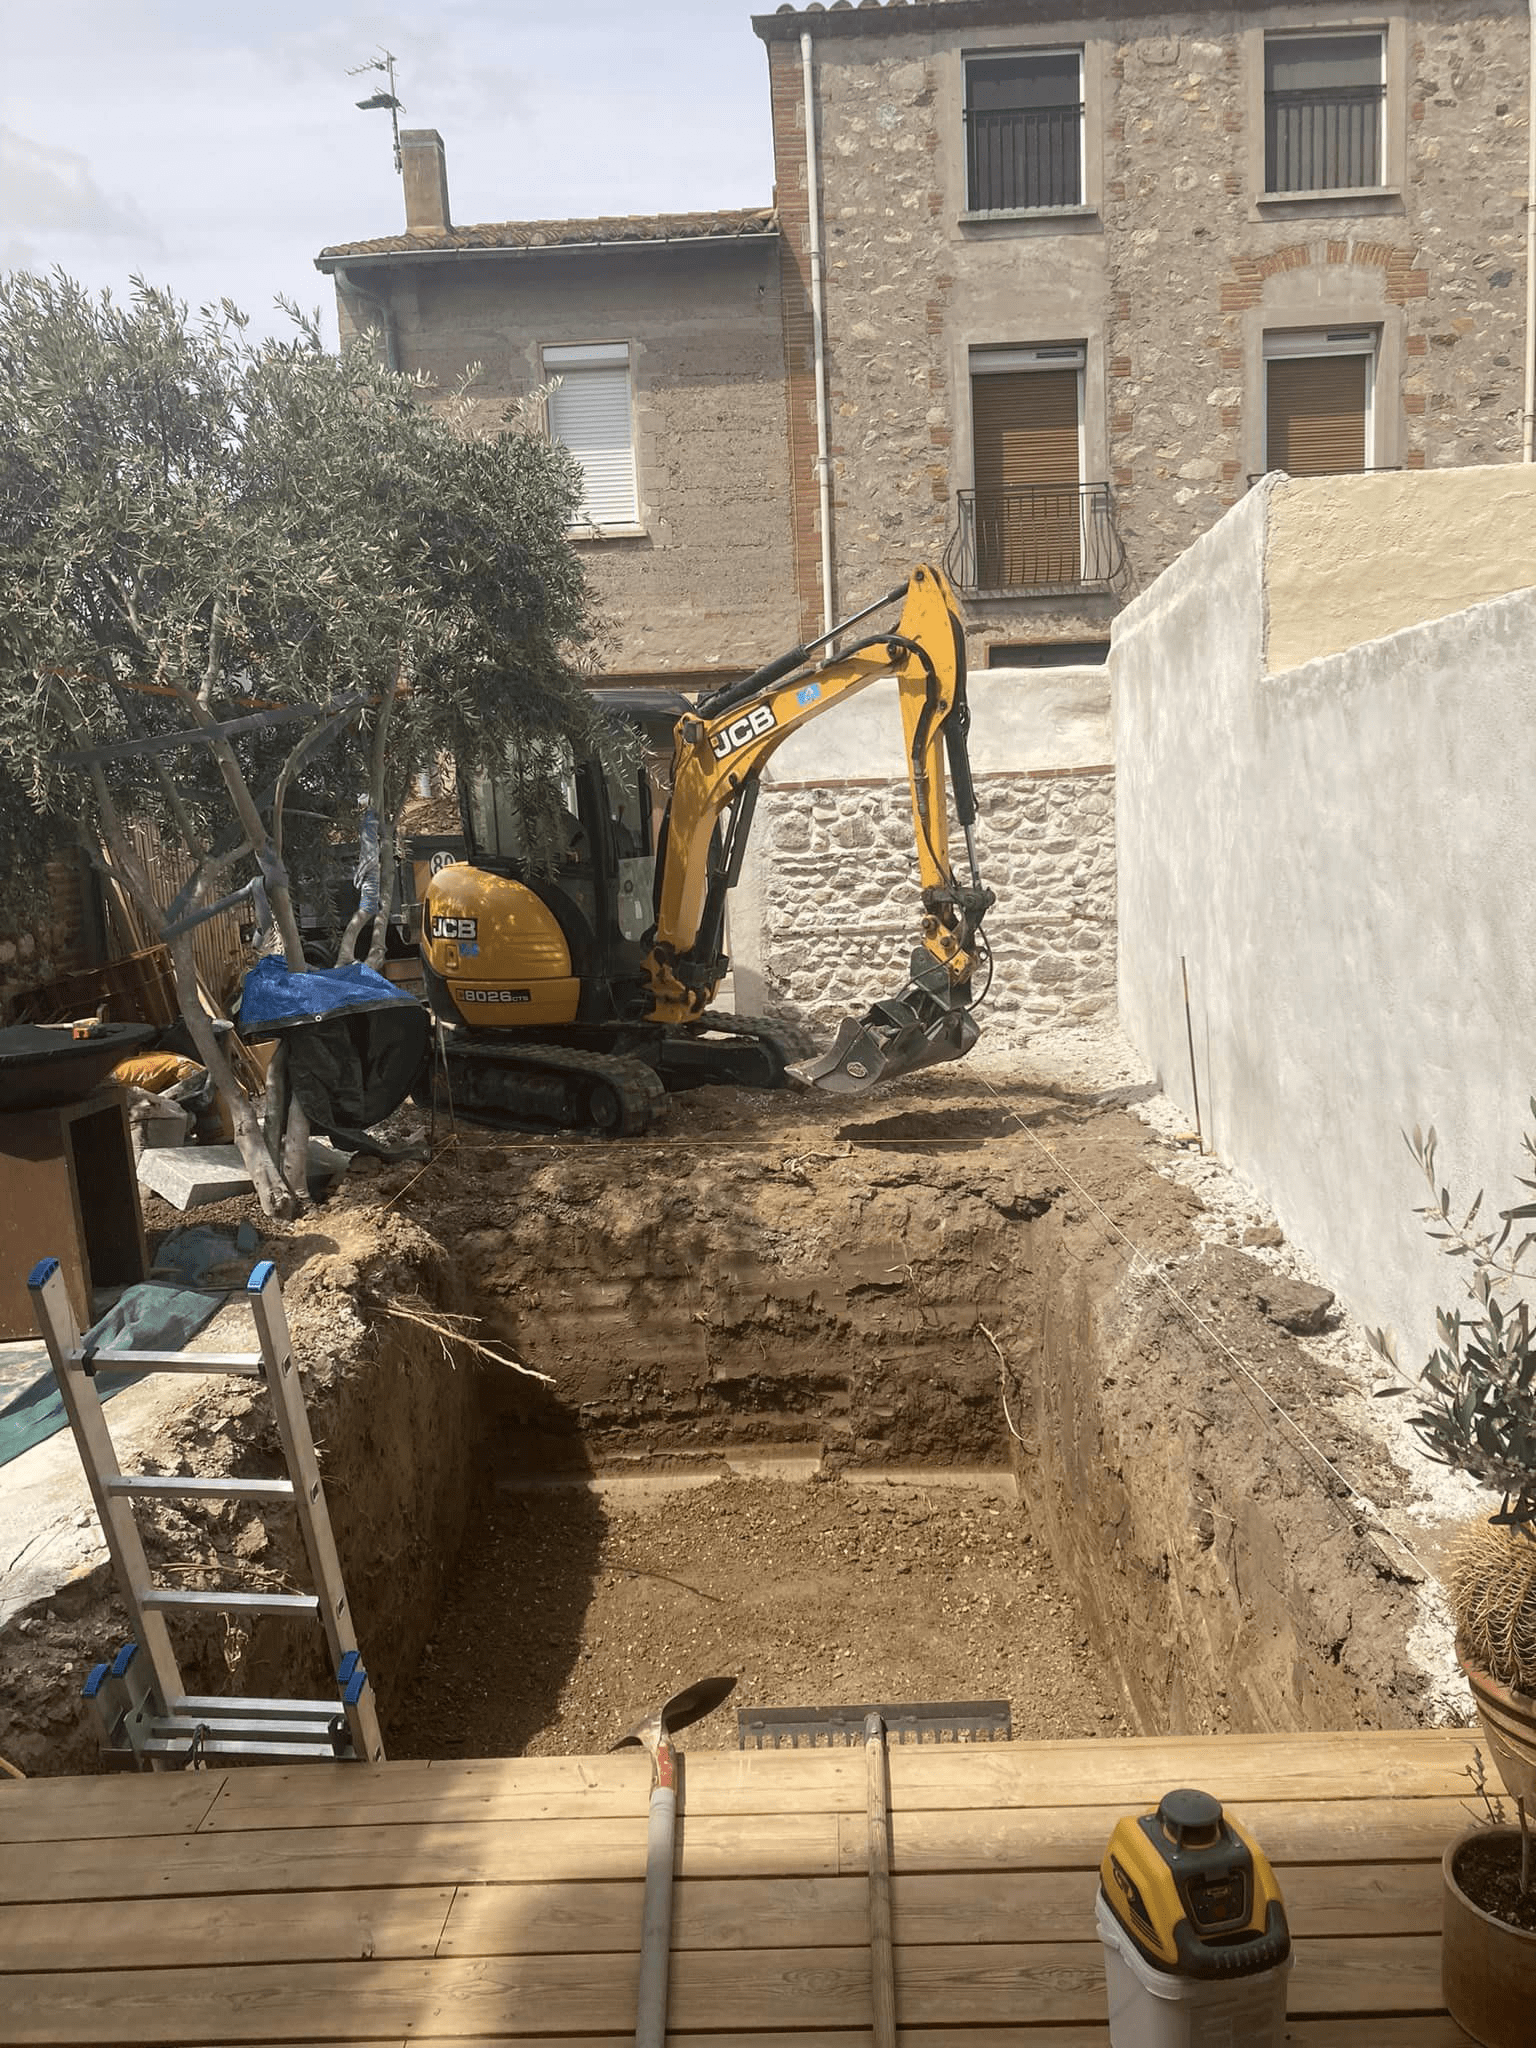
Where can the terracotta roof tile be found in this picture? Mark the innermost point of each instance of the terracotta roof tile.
(727, 225)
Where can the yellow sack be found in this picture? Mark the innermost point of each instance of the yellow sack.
(155, 1071)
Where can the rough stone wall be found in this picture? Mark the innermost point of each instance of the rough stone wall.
(1170, 280)
(42, 934)
(841, 920)
(709, 583)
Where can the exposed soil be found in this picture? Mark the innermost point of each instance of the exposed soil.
(808, 1594)
(941, 1274)
(1488, 1871)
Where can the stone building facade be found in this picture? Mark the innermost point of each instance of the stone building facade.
(1165, 257)
(678, 316)
(1084, 277)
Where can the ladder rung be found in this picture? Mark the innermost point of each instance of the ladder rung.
(243, 1603)
(182, 1728)
(247, 1362)
(224, 1705)
(216, 1746)
(208, 1489)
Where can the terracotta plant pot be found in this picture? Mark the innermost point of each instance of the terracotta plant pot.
(1487, 1968)
(1509, 1722)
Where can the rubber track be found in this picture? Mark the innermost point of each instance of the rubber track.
(638, 1086)
(789, 1041)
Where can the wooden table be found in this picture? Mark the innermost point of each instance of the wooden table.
(68, 1191)
(500, 1901)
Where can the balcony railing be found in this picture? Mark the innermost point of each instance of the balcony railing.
(1024, 157)
(1045, 537)
(1327, 139)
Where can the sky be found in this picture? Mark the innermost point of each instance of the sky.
(216, 148)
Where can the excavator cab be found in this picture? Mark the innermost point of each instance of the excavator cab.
(562, 941)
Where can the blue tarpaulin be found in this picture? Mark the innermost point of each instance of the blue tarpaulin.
(356, 1045)
(275, 996)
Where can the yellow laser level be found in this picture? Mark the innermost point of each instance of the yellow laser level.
(1193, 1891)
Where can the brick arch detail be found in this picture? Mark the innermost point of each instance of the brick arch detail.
(1403, 278)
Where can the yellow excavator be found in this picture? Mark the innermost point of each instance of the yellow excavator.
(576, 980)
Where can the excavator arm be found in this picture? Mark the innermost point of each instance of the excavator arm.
(720, 750)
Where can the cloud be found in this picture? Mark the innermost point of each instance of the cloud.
(49, 191)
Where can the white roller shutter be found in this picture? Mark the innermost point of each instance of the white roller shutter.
(589, 412)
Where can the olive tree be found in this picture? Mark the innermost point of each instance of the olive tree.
(247, 587)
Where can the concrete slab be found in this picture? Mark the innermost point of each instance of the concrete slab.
(189, 1176)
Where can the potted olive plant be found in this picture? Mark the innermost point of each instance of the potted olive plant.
(1477, 1412)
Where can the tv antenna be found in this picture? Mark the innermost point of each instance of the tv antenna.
(385, 62)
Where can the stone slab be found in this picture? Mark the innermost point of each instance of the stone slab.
(190, 1176)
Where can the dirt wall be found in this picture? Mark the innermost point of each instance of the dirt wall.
(393, 1422)
(1229, 1590)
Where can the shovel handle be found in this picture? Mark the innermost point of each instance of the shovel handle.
(656, 1923)
(882, 1979)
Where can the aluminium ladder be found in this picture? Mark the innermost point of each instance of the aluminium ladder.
(140, 1696)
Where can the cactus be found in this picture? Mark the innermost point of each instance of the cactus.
(1491, 1579)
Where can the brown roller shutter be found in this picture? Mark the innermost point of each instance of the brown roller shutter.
(1028, 530)
(1316, 420)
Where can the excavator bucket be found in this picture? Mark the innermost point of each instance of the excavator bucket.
(894, 1036)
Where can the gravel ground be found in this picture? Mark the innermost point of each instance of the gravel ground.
(811, 1593)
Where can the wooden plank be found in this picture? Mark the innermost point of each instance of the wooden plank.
(1411, 2032)
(1420, 1763)
(1361, 1898)
(1403, 2032)
(328, 1859)
(1055, 1983)
(237, 1928)
(101, 1809)
(955, 1908)
(1383, 1973)
(1073, 1837)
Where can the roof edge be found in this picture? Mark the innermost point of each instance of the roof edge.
(342, 258)
(847, 18)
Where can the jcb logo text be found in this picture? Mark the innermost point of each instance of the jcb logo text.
(751, 726)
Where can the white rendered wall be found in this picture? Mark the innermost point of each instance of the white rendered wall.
(1346, 854)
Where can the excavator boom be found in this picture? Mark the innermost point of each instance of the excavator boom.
(720, 751)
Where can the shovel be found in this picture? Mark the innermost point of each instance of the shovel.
(655, 1733)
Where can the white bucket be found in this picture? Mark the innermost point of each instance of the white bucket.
(1153, 2008)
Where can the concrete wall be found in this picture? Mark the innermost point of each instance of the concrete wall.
(826, 915)
(1345, 852)
(1352, 558)
(1171, 274)
(708, 584)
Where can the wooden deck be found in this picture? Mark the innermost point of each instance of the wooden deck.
(500, 1901)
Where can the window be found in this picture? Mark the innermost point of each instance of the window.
(589, 412)
(1318, 393)
(1024, 131)
(1026, 410)
(1323, 103)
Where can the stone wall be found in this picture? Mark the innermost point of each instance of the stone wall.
(827, 911)
(841, 920)
(44, 933)
(1170, 273)
(708, 584)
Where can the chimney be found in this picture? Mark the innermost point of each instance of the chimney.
(424, 168)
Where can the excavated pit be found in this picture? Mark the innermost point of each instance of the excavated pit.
(852, 1407)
